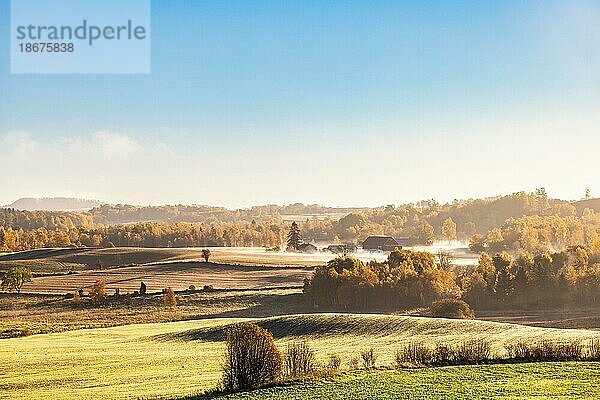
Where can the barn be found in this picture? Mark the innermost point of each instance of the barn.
(384, 243)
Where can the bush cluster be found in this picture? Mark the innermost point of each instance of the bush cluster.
(467, 352)
(546, 350)
(451, 308)
(407, 279)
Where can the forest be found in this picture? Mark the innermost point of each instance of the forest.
(519, 221)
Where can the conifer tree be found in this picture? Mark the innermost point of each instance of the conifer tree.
(294, 240)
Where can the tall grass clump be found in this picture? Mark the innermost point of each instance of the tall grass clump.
(443, 354)
(334, 362)
(468, 352)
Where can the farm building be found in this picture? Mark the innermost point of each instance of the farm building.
(384, 243)
(307, 248)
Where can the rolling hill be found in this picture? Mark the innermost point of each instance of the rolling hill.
(184, 358)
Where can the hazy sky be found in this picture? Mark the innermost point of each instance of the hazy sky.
(338, 102)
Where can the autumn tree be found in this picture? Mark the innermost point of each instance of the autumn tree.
(98, 291)
(169, 298)
(15, 277)
(423, 233)
(502, 263)
(449, 230)
(206, 254)
(495, 240)
(294, 240)
(477, 243)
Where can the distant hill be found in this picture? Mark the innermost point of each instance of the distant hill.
(593, 204)
(53, 204)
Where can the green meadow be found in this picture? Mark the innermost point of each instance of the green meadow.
(178, 359)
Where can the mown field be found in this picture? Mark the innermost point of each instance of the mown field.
(34, 314)
(49, 261)
(60, 271)
(184, 358)
(178, 275)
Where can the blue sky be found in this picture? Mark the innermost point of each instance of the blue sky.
(376, 102)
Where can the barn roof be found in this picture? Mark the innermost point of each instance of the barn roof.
(378, 241)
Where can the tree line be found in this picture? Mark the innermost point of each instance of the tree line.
(542, 280)
(537, 233)
(528, 221)
(239, 233)
(411, 279)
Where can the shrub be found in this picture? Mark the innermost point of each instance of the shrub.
(208, 288)
(299, 359)
(442, 355)
(569, 351)
(593, 351)
(353, 363)
(334, 362)
(451, 308)
(546, 350)
(519, 350)
(15, 333)
(252, 359)
(98, 291)
(76, 297)
(415, 353)
(15, 278)
(368, 358)
(192, 288)
(473, 352)
(169, 298)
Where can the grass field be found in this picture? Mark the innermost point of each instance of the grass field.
(35, 314)
(565, 380)
(178, 275)
(184, 358)
(49, 261)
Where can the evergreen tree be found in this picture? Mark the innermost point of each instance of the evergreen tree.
(294, 240)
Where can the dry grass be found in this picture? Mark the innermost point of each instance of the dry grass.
(33, 314)
(179, 276)
(49, 261)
